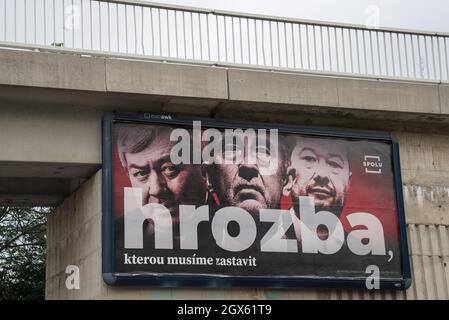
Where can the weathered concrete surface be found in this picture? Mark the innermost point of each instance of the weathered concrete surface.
(74, 238)
(444, 98)
(39, 133)
(275, 87)
(326, 117)
(74, 72)
(388, 96)
(165, 79)
(46, 170)
(26, 191)
(54, 70)
(45, 152)
(425, 175)
(429, 252)
(362, 94)
(427, 204)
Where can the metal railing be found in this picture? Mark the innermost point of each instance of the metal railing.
(141, 29)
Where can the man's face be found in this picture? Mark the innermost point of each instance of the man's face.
(243, 185)
(322, 171)
(162, 181)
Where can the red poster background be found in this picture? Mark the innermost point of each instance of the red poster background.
(371, 193)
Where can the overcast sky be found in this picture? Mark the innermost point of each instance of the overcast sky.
(431, 15)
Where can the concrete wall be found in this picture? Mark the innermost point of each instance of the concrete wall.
(74, 237)
(50, 141)
(51, 106)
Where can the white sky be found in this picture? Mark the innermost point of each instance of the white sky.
(431, 15)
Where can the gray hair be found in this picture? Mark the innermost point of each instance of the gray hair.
(134, 138)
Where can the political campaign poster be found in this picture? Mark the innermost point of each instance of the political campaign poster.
(198, 202)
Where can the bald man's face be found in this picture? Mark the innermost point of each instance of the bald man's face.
(322, 171)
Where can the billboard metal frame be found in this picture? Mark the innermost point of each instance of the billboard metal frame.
(108, 224)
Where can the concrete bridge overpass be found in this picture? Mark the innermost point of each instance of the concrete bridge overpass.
(52, 104)
(52, 101)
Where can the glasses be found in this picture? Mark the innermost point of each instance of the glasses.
(256, 153)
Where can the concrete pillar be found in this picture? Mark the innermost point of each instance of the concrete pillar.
(74, 238)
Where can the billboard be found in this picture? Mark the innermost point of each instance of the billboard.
(197, 202)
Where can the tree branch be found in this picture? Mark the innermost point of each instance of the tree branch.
(9, 243)
(27, 244)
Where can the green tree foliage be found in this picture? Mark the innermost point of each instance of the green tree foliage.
(22, 252)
